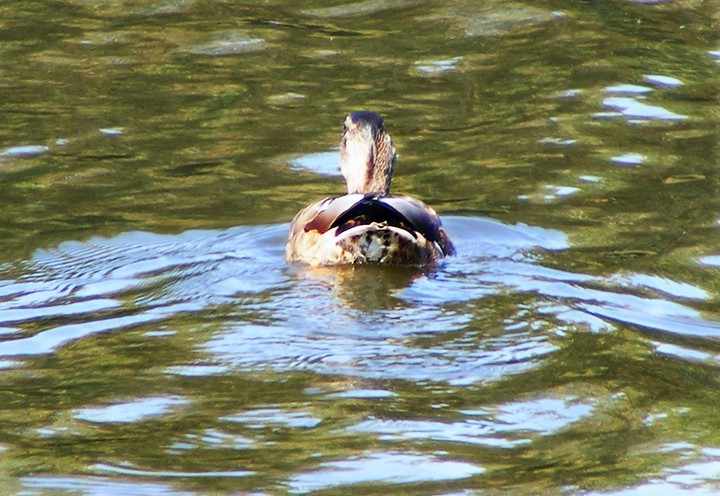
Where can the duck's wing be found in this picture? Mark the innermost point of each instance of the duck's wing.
(321, 215)
(423, 218)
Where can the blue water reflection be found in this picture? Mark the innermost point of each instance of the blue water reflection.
(366, 325)
(315, 319)
(98, 486)
(389, 468)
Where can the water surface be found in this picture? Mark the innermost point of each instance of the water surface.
(154, 341)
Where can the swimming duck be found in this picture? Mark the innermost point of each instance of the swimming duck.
(368, 224)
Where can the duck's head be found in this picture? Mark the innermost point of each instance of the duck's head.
(367, 154)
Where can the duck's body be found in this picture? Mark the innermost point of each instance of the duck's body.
(367, 224)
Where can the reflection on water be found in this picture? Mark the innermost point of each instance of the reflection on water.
(391, 468)
(97, 486)
(250, 313)
(544, 416)
(129, 412)
(154, 341)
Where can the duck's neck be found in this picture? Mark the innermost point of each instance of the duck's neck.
(368, 166)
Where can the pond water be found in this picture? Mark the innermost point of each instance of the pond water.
(153, 341)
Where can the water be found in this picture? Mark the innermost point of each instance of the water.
(154, 341)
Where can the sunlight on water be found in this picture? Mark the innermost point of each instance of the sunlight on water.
(275, 326)
(133, 411)
(94, 486)
(630, 107)
(502, 427)
(104, 468)
(24, 151)
(326, 163)
(394, 468)
(261, 418)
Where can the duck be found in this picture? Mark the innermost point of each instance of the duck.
(368, 224)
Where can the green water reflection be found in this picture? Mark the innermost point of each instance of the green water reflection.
(166, 117)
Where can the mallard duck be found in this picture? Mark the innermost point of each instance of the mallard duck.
(368, 224)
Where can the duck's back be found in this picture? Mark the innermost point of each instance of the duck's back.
(362, 228)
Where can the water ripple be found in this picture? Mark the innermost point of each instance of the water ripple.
(378, 323)
(632, 108)
(500, 427)
(129, 412)
(98, 486)
(172, 274)
(389, 468)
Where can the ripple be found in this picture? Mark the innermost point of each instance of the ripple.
(27, 151)
(630, 159)
(567, 94)
(660, 284)
(48, 340)
(261, 418)
(228, 44)
(506, 19)
(212, 439)
(129, 470)
(96, 486)
(335, 340)
(665, 81)
(629, 107)
(300, 348)
(661, 316)
(435, 67)
(470, 432)
(683, 353)
(543, 416)
(164, 8)
(289, 318)
(557, 141)
(325, 163)
(389, 468)
(197, 370)
(362, 8)
(550, 193)
(488, 237)
(27, 313)
(112, 131)
(363, 394)
(696, 478)
(286, 99)
(177, 274)
(629, 89)
(656, 487)
(130, 412)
